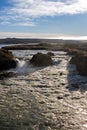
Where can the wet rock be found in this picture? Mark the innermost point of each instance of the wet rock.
(50, 54)
(61, 74)
(60, 97)
(71, 52)
(81, 64)
(40, 59)
(73, 60)
(6, 74)
(7, 60)
(62, 84)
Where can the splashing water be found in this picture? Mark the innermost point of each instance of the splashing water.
(24, 67)
(21, 63)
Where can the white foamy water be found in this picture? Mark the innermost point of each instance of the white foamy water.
(23, 64)
(24, 67)
(29, 53)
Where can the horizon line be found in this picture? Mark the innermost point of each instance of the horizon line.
(22, 35)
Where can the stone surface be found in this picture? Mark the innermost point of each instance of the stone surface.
(40, 59)
(81, 63)
(50, 53)
(6, 74)
(7, 60)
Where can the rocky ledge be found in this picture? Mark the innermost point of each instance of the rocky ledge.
(7, 60)
(80, 60)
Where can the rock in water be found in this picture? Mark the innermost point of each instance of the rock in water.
(50, 54)
(6, 74)
(81, 63)
(7, 60)
(40, 59)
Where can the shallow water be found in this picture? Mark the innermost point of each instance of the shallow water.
(27, 53)
(23, 57)
(49, 98)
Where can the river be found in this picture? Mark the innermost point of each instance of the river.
(49, 98)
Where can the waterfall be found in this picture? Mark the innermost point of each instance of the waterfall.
(21, 63)
(23, 66)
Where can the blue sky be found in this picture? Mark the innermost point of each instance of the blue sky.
(43, 18)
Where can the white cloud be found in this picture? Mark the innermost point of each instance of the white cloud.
(26, 10)
(24, 24)
(49, 7)
(40, 35)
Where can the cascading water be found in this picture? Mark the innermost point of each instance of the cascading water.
(21, 63)
(24, 67)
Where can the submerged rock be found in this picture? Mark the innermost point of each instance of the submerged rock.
(6, 74)
(7, 60)
(40, 59)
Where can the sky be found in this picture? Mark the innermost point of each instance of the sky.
(65, 19)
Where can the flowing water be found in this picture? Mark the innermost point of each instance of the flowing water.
(43, 98)
(23, 57)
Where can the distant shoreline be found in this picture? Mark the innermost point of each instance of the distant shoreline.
(36, 40)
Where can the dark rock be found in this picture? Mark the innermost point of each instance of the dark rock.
(71, 52)
(50, 54)
(60, 97)
(61, 74)
(7, 60)
(40, 59)
(6, 74)
(73, 60)
(62, 84)
(81, 63)
(67, 87)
